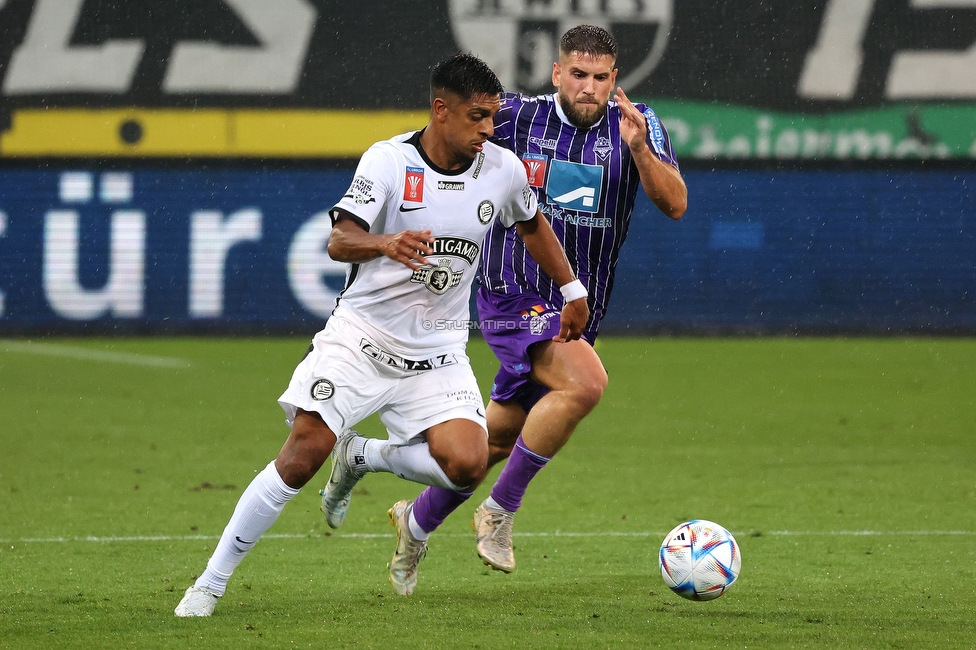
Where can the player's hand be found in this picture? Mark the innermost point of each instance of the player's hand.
(409, 247)
(633, 126)
(572, 320)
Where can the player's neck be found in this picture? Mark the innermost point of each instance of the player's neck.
(434, 149)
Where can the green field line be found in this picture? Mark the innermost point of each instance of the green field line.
(85, 354)
(191, 538)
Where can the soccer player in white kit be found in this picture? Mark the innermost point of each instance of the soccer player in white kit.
(412, 225)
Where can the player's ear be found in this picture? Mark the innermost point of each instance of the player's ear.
(555, 74)
(439, 108)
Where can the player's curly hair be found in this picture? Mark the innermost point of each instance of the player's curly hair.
(588, 39)
(465, 75)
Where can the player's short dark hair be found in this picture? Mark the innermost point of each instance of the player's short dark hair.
(588, 39)
(466, 76)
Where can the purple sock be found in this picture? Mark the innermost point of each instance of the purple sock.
(434, 505)
(521, 468)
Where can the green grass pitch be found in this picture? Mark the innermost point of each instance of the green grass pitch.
(846, 468)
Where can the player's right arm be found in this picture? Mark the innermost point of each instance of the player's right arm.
(357, 212)
(350, 242)
(661, 182)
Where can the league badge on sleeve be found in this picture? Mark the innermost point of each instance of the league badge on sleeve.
(413, 187)
(535, 168)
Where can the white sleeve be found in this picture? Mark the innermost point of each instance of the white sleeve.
(370, 187)
(521, 204)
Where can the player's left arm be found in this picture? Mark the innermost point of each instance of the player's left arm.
(662, 183)
(545, 249)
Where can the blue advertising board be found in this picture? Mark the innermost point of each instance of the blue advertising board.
(169, 250)
(809, 251)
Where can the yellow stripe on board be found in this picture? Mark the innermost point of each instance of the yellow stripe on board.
(124, 132)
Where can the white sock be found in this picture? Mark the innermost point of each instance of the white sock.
(257, 509)
(416, 531)
(491, 503)
(412, 462)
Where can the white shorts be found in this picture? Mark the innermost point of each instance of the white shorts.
(347, 377)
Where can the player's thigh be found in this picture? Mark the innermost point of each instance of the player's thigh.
(573, 365)
(338, 383)
(431, 398)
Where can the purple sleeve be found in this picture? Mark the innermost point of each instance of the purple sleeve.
(657, 136)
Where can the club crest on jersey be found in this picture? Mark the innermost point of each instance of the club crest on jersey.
(535, 168)
(486, 210)
(413, 186)
(438, 279)
(322, 390)
(602, 147)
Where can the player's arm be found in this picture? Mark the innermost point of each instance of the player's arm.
(350, 242)
(545, 249)
(662, 183)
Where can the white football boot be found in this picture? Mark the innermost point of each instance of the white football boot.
(494, 530)
(338, 491)
(197, 601)
(409, 550)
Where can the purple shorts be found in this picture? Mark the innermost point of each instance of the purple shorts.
(511, 324)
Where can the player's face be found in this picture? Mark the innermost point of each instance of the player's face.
(584, 84)
(470, 123)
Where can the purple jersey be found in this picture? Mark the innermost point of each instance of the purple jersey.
(586, 182)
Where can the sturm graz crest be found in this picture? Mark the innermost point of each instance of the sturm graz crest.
(519, 39)
(438, 279)
(322, 390)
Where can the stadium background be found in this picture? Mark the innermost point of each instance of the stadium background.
(166, 166)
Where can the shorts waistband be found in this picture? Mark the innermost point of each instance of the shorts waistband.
(386, 358)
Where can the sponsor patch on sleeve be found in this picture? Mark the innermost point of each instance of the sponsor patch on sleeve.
(655, 132)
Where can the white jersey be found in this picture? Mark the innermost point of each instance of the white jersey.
(396, 188)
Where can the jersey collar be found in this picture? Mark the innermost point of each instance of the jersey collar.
(415, 141)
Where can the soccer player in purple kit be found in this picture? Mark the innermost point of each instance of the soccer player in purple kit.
(585, 156)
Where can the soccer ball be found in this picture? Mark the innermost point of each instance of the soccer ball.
(700, 560)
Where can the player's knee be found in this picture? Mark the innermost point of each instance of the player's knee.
(588, 390)
(466, 470)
